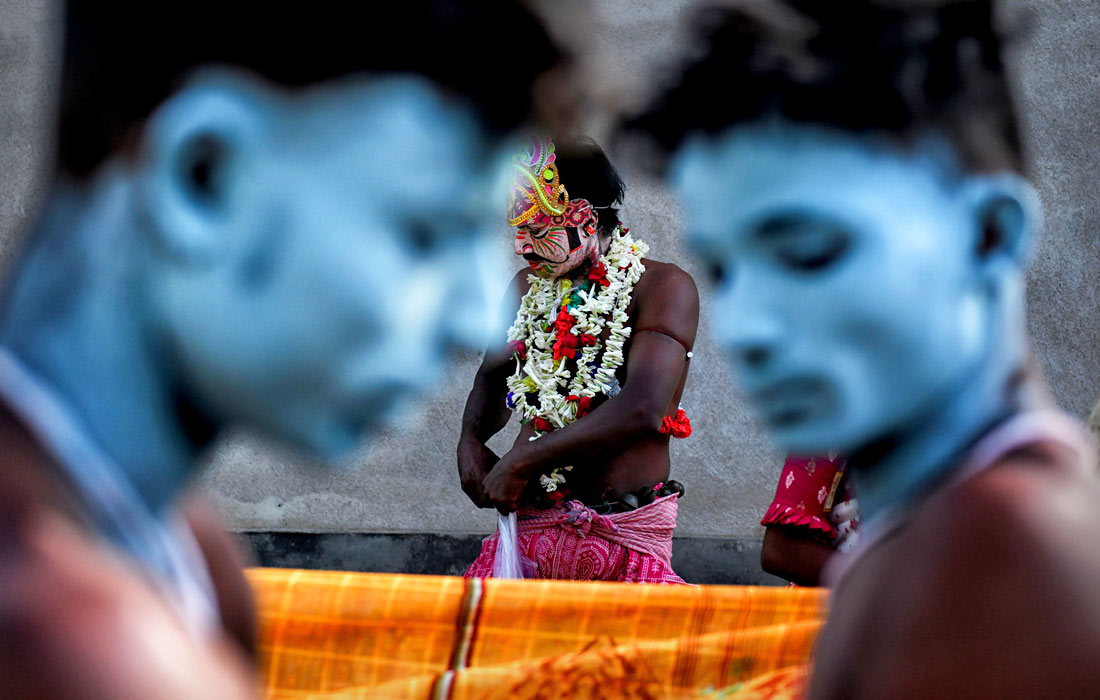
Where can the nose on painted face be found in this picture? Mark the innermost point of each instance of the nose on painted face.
(523, 245)
(748, 331)
(523, 241)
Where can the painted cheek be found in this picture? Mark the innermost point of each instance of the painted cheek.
(551, 245)
(523, 245)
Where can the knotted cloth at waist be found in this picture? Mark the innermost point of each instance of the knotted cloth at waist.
(647, 530)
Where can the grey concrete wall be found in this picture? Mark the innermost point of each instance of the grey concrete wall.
(405, 481)
(29, 53)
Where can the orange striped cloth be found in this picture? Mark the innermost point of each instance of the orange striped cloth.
(339, 635)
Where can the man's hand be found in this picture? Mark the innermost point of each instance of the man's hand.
(503, 487)
(486, 411)
(475, 460)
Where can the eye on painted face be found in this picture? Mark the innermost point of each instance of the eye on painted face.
(849, 298)
(354, 263)
(554, 246)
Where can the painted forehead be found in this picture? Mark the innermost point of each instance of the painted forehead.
(753, 172)
(578, 213)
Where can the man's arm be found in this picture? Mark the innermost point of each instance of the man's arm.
(655, 365)
(486, 413)
(794, 553)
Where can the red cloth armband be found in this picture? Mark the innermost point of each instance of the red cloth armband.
(678, 426)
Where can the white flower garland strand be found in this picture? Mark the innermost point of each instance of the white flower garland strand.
(602, 307)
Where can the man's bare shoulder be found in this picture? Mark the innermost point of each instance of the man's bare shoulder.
(1038, 503)
(667, 278)
(76, 622)
(989, 591)
(668, 300)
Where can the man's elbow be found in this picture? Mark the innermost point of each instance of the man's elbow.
(793, 555)
(771, 557)
(646, 417)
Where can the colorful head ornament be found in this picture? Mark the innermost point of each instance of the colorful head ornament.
(536, 190)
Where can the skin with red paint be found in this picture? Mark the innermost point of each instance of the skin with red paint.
(552, 247)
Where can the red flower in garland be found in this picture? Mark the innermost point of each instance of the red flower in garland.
(566, 346)
(519, 348)
(542, 425)
(555, 495)
(678, 426)
(564, 322)
(584, 404)
(587, 339)
(598, 274)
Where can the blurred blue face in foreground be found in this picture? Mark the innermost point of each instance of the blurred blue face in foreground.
(851, 295)
(329, 254)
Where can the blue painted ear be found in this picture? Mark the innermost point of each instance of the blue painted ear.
(1006, 216)
(194, 150)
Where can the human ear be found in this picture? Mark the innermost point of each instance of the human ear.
(1005, 212)
(190, 172)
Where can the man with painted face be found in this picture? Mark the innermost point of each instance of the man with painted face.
(594, 366)
(862, 206)
(258, 217)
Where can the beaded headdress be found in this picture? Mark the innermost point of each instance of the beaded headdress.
(536, 189)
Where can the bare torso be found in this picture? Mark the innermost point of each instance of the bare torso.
(990, 591)
(646, 461)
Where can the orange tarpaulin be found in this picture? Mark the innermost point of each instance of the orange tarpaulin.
(340, 635)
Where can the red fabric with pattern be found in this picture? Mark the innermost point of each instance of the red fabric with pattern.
(802, 497)
(571, 542)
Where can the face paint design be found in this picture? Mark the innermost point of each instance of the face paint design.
(849, 306)
(536, 188)
(556, 245)
(353, 270)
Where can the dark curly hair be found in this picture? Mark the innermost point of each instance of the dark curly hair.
(587, 174)
(123, 58)
(902, 68)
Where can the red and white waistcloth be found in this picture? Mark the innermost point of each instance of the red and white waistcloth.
(572, 541)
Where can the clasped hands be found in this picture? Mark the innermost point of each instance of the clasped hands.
(491, 481)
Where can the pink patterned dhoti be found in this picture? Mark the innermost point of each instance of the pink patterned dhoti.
(573, 542)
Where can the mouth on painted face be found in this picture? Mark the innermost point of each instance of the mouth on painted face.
(792, 403)
(540, 265)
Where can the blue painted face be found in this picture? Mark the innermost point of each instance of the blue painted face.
(853, 296)
(335, 254)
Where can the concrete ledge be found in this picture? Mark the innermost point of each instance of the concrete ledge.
(697, 559)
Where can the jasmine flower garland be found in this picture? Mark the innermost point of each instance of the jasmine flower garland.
(559, 319)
